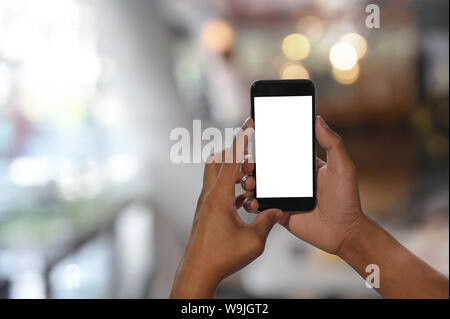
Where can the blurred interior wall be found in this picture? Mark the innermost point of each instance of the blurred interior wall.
(133, 32)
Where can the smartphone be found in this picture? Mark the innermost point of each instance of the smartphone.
(284, 144)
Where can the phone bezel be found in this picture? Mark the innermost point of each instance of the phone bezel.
(286, 88)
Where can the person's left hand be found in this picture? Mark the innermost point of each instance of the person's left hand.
(220, 243)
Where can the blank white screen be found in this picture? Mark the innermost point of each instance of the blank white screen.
(283, 146)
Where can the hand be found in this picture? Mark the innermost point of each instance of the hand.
(220, 243)
(338, 210)
(338, 226)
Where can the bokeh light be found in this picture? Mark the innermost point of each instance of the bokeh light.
(343, 56)
(358, 42)
(346, 76)
(296, 46)
(293, 70)
(217, 36)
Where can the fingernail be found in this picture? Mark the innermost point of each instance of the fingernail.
(245, 124)
(322, 122)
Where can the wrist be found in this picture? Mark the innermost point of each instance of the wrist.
(359, 230)
(193, 281)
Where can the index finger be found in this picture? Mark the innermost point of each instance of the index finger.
(234, 155)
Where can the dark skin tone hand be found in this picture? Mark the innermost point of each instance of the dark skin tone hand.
(220, 243)
(338, 226)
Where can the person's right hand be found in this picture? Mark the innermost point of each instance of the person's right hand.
(338, 226)
(338, 210)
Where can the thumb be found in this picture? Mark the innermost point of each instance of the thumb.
(264, 222)
(332, 143)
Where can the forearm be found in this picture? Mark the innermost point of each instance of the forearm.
(402, 274)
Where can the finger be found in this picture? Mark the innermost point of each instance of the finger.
(239, 177)
(209, 176)
(234, 156)
(250, 205)
(331, 142)
(246, 169)
(222, 155)
(239, 201)
(283, 219)
(264, 222)
(213, 164)
(247, 166)
(248, 183)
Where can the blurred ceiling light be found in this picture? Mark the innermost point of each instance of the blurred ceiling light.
(217, 35)
(346, 76)
(295, 46)
(358, 42)
(29, 171)
(312, 27)
(293, 70)
(343, 56)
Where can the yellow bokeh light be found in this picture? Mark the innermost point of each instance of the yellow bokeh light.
(311, 26)
(343, 56)
(358, 42)
(346, 76)
(293, 70)
(217, 36)
(295, 46)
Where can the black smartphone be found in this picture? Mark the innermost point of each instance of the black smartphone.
(284, 144)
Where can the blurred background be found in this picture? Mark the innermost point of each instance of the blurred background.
(91, 205)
